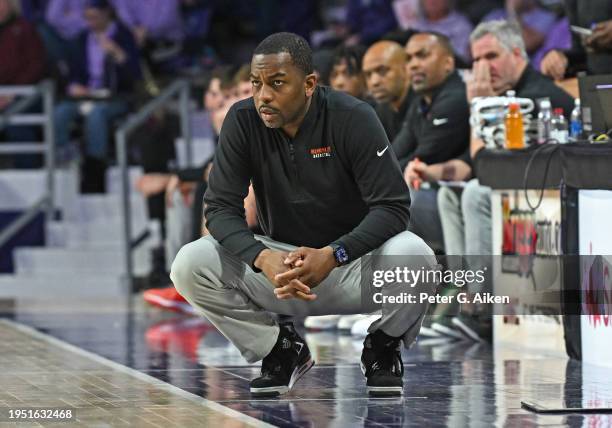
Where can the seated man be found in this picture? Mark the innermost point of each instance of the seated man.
(100, 78)
(500, 64)
(384, 66)
(592, 54)
(346, 74)
(23, 63)
(328, 192)
(434, 140)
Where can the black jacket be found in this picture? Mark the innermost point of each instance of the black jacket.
(118, 78)
(337, 181)
(437, 132)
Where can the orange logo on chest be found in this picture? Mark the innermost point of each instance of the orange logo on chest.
(321, 152)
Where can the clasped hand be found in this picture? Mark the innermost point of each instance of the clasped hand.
(296, 273)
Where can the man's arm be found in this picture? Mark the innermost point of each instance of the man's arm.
(404, 144)
(380, 182)
(228, 186)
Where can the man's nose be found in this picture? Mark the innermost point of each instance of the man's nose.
(266, 94)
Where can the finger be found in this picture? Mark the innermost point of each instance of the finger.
(293, 285)
(285, 277)
(291, 258)
(303, 296)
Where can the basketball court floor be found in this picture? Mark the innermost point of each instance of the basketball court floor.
(121, 363)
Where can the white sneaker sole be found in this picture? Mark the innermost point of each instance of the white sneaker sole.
(298, 372)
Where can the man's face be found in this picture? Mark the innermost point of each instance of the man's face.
(341, 80)
(385, 75)
(502, 63)
(428, 62)
(280, 89)
(244, 90)
(213, 99)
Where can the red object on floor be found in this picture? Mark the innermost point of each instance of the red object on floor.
(168, 298)
(179, 335)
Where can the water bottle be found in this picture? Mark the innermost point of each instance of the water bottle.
(558, 127)
(544, 119)
(576, 122)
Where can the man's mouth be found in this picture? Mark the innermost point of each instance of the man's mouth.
(267, 113)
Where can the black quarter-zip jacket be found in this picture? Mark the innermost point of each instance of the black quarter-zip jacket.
(337, 181)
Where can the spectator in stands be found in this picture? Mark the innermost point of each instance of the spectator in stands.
(184, 190)
(594, 53)
(101, 79)
(368, 20)
(439, 16)
(500, 64)
(534, 21)
(23, 63)
(157, 27)
(434, 140)
(346, 74)
(22, 51)
(384, 66)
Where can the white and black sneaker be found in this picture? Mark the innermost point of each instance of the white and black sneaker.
(288, 361)
(381, 363)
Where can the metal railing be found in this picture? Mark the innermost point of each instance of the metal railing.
(13, 115)
(179, 89)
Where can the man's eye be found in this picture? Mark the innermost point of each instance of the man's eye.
(278, 82)
(255, 82)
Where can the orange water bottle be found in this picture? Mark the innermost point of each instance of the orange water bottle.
(515, 137)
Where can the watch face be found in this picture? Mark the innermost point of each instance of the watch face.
(341, 255)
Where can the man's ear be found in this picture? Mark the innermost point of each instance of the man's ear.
(449, 64)
(310, 83)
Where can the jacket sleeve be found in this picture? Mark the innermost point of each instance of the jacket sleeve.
(228, 185)
(380, 182)
(128, 73)
(404, 144)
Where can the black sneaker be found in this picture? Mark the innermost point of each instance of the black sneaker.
(288, 361)
(381, 363)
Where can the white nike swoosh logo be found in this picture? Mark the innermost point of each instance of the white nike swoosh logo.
(438, 122)
(382, 152)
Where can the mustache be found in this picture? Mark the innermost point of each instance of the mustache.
(267, 109)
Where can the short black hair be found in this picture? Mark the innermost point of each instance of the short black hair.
(296, 46)
(352, 55)
(443, 41)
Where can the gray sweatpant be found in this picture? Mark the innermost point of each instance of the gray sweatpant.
(239, 302)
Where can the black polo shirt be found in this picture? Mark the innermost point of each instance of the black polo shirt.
(534, 85)
(392, 120)
(439, 131)
(337, 181)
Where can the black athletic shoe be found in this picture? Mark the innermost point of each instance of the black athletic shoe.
(288, 361)
(381, 363)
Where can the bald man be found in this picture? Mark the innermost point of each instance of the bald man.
(384, 66)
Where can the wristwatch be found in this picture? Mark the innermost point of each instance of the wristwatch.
(340, 254)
